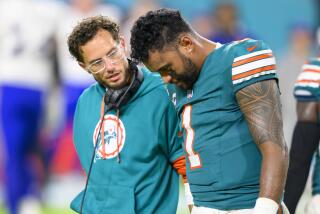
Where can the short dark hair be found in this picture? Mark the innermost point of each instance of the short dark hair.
(86, 30)
(155, 30)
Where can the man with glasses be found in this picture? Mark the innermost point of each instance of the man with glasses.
(63, 160)
(127, 140)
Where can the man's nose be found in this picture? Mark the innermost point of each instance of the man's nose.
(109, 64)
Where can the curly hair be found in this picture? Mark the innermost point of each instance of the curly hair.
(155, 30)
(85, 30)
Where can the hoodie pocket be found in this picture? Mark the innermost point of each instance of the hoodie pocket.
(105, 200)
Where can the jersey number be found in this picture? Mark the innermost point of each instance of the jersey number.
(193, 157)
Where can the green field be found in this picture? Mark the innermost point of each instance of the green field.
(68, 211)
(182, 208)
(47, 210)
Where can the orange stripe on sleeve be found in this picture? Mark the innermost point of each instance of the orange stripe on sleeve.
(180, 165)
(311, 70)
(309, 81)
(251, 59)
(254, 71)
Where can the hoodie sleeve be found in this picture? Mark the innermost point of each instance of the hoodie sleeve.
(172, 143)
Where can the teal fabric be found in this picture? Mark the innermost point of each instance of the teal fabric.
(316, 176)
(228, 177)
(144, 180)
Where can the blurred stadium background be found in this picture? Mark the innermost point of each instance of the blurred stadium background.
(288, 26)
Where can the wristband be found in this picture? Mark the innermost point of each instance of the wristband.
(265, 206)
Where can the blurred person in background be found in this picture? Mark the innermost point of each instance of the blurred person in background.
(306, 137)
(139, 7)
(300, 42)
(26, 74)
(202, 23)
(73, 80)
(226, 23)
(127, 141)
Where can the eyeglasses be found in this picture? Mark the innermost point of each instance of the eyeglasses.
(99, 65)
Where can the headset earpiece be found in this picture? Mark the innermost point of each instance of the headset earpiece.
(116, 98)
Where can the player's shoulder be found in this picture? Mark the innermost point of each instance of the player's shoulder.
(313, 62)
(248, 47)
(310, 71)
(307, 86)
(252, 61)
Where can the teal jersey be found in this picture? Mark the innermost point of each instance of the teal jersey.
(307, 86)
(223, 166)
(146, 140)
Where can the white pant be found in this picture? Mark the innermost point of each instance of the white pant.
(206, 210)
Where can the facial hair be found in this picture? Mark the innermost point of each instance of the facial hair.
(189, 75)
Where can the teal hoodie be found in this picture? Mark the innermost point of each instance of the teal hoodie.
(144, 180)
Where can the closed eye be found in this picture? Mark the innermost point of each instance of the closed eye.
(166, 70)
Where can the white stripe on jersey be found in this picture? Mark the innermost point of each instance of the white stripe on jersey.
(251, 55)
(301, 92)
(307, 84)
(312, 67)
(253, 65)
(253, 76)
(306, 75)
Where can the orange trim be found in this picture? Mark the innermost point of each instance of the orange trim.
(251, 48)
(311, 70)
(251, 59)
(254, 71)
(121, 139)
(180, 165)
(187, 136)
(309, 81)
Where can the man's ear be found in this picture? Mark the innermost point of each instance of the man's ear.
(122, 42)
(186, 43)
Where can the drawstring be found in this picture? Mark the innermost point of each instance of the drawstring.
(103, 152)
(118, 132)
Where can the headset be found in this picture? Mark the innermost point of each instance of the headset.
(113, 99)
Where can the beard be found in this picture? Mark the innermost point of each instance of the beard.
(189, 75)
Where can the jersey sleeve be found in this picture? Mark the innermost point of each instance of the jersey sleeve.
(253, 62)
(307, 86)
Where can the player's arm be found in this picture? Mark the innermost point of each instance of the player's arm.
(174, 149)
(305, 141)
(260, 104)
(307, 129)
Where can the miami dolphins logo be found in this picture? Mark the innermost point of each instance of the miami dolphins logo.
(114, 137)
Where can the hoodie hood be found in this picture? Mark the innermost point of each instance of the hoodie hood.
(151, 81)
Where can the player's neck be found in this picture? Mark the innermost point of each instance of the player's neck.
(205, 47)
